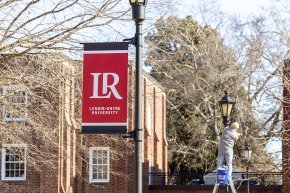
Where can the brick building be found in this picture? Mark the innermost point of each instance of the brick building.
(121, 178)
(286, 126)
(42, 148)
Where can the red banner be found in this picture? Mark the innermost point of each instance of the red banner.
(105, 88)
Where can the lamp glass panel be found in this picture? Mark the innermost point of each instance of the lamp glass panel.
(229, 109)
(247, 154)
(224, 109)
(137, 1)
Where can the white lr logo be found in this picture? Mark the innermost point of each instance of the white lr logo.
(105, 91)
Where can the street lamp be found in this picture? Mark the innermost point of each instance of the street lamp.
(247, 152)
(138, 15)
(138, 11)
(226, 106)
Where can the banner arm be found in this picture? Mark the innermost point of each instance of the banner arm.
(130, 134)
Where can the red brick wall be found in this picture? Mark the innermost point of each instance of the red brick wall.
(121, 165)
(31, 185)
(43, 181)
(50, 168)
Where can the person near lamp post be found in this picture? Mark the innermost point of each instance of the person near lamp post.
(228, 138)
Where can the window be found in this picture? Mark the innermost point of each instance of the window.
(15, 101)
(13, 162)
(99, 164)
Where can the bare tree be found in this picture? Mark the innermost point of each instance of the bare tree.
(261, 44)
(252, 54)
(52, 25)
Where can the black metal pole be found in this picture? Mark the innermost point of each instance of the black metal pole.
(138, 114)
(138, 16)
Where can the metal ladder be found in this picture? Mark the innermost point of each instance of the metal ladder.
(216, 186)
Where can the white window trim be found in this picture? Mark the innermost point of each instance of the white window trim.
(5, 92)
(4, 163)
(91, 150)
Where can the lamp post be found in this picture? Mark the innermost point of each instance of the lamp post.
(226, 106)
(247, 152)
(138, 15)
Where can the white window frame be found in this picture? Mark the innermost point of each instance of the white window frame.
(92, 165)
(4, 147)
(6, 103)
